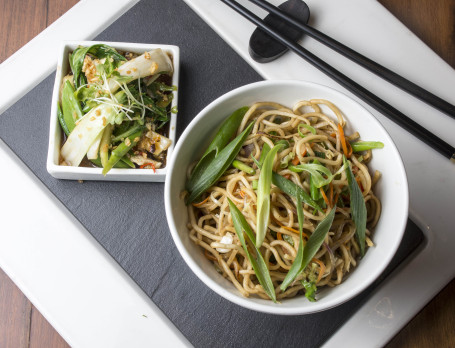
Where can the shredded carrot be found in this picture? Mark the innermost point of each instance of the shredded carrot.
(304, 153)
(343, 140)
(209, 256)
(242, 194)
(200, 203)
(359, 182)
(149, 164)
(287, 176)
(312, 145)
(321, 269)
(331, 195)
(295, 161)
(325, 197)
(336, 199)
(349, 149)
(295, 231)
(280, 237)
(333, 135)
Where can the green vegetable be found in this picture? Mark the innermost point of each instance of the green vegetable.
(122, 150)
(85, 133)
(310, 249)
(254, 184)
(119, 164)
(366, 145)
(127, 133)
(319, 154)
(243, 167)
(222, 137)
(310, 289)
(215, 166)
(285, 160)
(358, 207)
(284, 142)
(288, 239)
(99, 51)
(104, 145)
(263, 195)
(70, 106)
(314, 191)
(314, 170)
(61, 120)
(258, 263)
(304, 125)
(288, 187)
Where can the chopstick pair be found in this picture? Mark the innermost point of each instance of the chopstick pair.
(386, 109)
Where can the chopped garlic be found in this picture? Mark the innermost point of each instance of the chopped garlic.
(227, 239)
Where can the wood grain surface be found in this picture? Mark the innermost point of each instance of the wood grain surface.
(21, 324)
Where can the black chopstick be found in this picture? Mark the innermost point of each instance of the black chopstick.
(363, 61)
(387, 110)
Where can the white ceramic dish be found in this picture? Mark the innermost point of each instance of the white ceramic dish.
(55, 133)
(392, 190)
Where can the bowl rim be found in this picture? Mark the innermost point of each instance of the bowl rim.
(271, 307)
(124, 174)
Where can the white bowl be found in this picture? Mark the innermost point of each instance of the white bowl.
(55, 133)
(392, 190)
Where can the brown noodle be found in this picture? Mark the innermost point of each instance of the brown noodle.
(210, 220)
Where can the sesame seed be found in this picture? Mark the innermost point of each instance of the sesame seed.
(80, 136)
(98, 112)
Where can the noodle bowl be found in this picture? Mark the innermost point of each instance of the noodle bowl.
(210, 224)
(391, 190)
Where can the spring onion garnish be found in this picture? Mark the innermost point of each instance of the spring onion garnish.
(304, 125)
(310, 249)
(310, 289)
(358, 208)
(222, 137)
(216, 166)
(263, 195)
(288, 187)
(315, 170)
(243, 167)
(360, 146)
(258, 263)
(70, 106)
(285, 160)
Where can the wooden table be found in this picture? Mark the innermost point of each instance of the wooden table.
(21, 325)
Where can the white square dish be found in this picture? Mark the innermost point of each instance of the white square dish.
(55, 133)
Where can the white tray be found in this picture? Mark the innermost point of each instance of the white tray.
(91, 301)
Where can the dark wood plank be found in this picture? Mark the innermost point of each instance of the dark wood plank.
(15, 312)
(42, 334)
(20, 21)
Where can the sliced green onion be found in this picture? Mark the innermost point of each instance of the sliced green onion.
(311, 248)
(258, 263)
(310, 290)
(315, 170)
(254, 184)
(366, 145)
(304, 125)
(70, 106)
(358, 207)
(222, 137)
(263, 195)
(243, 167)
(284, 142)
(285, 160)
(216, 166)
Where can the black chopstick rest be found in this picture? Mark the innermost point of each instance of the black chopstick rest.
(263, 48)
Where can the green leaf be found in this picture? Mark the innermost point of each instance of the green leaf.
(70, 106)
(222, 137)
(311, 248)
(263, 195)
(304, 125)
(315, 170)
(310, 290)
(358, 207)
(61, 120)
(296, 265)
(366, 145)
(99, 51)
(258, 263)
(217, 166)
(288, 187)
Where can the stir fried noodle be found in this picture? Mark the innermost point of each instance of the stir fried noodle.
(210, 224)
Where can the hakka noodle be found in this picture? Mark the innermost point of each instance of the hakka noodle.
(312, 132)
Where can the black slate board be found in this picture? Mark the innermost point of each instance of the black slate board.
(127, 219)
